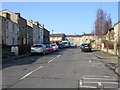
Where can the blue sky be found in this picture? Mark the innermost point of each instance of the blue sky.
(64, 17)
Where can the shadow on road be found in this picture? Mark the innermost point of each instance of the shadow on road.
(30, 59)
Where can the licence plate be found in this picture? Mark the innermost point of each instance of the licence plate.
(86, 47)
(36, 49)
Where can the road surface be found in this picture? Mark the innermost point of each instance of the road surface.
(67, 68)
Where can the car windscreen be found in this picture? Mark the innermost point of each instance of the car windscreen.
(86, 45)
(64, 42)
(53, 45)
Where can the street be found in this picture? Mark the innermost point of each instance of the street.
(66, 68)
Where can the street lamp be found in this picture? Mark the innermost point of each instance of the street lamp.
(52, 31)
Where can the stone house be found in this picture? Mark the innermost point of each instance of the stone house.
(10, 30)
(46, 35)
(57, 37)
(37, 33)
(29, 33)
(41, 33)
(116, 38)
(110, 34)
(22, 23)
(86, 38)
(74, 39)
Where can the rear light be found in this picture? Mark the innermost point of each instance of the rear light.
(90, 47)
(82, 47)
(40, 45)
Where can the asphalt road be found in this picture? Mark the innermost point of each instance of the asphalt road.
(67, 68)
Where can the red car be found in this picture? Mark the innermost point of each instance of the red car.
(49, 48)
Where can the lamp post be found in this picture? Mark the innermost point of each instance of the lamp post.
(52, 31)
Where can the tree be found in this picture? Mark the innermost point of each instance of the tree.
(102, 23)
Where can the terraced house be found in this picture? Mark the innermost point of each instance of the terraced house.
(10, 31)
(57, 37)
(18, 34)
(116, 38)
(74, 39)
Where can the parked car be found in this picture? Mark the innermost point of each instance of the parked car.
(66, 43)
(73, 45)
(49, 48)
(39, 48)
(60, 46)
(85, 47)
(55, 47)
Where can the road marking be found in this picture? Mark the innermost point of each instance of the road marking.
(87, 87)
(89, 60)
(58, 56)
(51, 60)
(100, 83)
(30, 73)
(80, 83)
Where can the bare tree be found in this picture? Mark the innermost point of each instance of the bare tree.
(102, 23)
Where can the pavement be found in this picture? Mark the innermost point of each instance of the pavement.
(111, 61)
(12, 58)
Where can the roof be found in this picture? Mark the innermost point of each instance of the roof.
(73, 35)
(46, 29)
(57, 35)
(87, 35)
(116, 23)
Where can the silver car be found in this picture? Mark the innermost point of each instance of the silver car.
(55, 47)
(39, 48)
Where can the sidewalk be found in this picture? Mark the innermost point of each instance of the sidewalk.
(110, 61)
(11, 58)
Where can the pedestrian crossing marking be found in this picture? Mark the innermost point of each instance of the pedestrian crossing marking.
(89, 81)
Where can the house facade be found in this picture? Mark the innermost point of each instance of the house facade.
(37, 33)
(116, 38)
(86, 38)
(10, 32)
(57, 37)
(46, 35)
(74, 39)
(29, 33)
(9, 28)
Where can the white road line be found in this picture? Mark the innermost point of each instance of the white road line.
(80, 83)
(51, 60)
(108, 79)
(101, 82)
(89, 60)
(30, 72)
(58, 56)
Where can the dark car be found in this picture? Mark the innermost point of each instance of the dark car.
(85, 47)
(60, 46)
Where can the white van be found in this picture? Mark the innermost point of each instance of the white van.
(66, 43)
